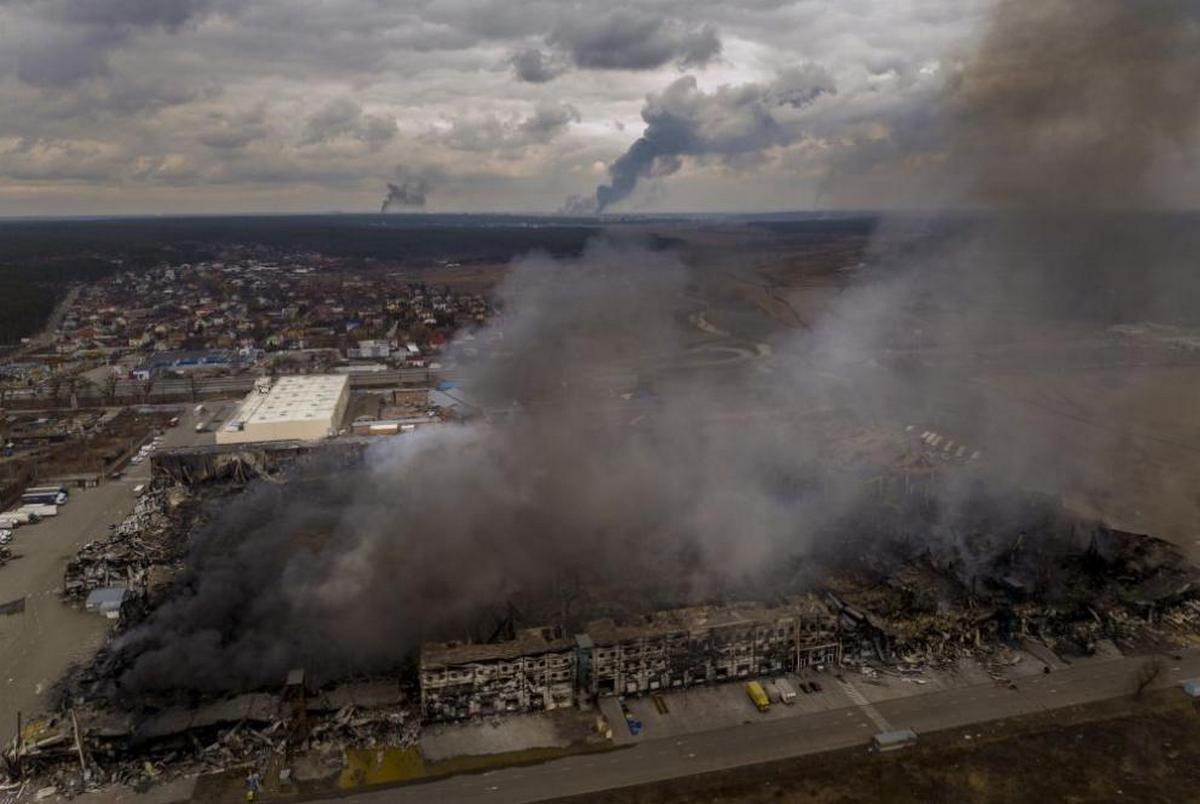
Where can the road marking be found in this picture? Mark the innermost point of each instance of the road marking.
(863, 704)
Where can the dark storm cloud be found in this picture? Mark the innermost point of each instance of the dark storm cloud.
(731, 122)
(632, 40)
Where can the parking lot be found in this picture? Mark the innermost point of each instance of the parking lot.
(39, 644)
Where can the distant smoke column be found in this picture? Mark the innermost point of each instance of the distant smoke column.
(625, 171)
(729, 122)
(408, 191)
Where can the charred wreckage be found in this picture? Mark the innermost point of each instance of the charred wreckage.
(909, 586)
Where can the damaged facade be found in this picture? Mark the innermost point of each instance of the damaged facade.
(667, 649)
(534, 672)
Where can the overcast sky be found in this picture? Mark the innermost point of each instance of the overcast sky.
(126, 106)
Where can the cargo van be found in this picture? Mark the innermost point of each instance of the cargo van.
(784, 692)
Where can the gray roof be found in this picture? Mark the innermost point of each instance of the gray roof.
(108, 598)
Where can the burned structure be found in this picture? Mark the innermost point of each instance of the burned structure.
(707, 644)
(534, 672)
(542, 670)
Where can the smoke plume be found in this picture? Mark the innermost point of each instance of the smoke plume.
(569, 488)
(409, 190)
(731, 122)
(1065, 137)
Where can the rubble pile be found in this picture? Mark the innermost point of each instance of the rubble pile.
(998, 591)
(93, 746)
(145, 540)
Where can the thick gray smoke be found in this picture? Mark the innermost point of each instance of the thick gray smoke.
(575, 495)
(1066, 137)
(409, 190)
(733, 122)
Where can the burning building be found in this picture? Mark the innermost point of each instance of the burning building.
(533, 672)
(707, 644)
(542, 670)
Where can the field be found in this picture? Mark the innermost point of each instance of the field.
(1122, 750)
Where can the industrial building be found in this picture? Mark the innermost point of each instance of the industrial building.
(534, 672)
(541, 670)
(706, 644)
(293, 408)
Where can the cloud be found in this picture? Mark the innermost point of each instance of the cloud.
(155, 81)
(343, 118)
(732, 122)
(66, 42)
(536, 67)
(167, 14)
(508, 135)
(234, 132)
(632, 40)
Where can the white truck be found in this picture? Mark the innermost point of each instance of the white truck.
(20, 517)
(784, 692)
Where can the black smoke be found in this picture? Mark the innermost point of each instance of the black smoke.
(731, 122)
(409, 190)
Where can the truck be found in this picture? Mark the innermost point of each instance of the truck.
(784, 692)
(21, 517)
(758, 696)
(46, 495)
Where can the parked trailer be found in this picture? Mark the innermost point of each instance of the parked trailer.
(42, 511)
(48, 489)
(758, 695)
(42, 498)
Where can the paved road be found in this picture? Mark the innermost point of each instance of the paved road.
(669, 758)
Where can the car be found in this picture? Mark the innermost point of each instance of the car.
(136, 459)
(815, 686)
(6, 536)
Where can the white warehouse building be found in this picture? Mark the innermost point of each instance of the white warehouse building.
(296, 408)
